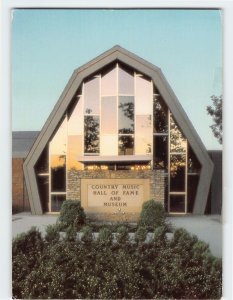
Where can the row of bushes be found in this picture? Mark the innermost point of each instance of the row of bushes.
(66, 268)
(115, 234)
(182, 267)
(73, 216)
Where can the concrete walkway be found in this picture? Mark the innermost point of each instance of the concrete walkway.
(207, 228)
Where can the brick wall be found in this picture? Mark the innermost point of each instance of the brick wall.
(19, 196)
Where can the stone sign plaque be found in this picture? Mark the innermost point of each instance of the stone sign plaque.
(109, 195)
(115, 195)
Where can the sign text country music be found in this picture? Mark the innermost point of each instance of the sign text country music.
(115, 195)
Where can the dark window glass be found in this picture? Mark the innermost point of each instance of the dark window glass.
(126, 145)
(126, 115)
(160, 151)
(193, 181)
(58, 173)
(42, 166)
(91, 134)
(166, 194)
(177, 203)
(177, 173)
(193, 163)
(160, 111)
(124, 166)
(56, 202)
(43, 187)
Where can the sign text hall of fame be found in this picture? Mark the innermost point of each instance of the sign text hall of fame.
(117, 195)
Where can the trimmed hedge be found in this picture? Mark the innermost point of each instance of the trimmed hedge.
(27, 252)
(152, 214)
(71, 214)
(52, 234)
(182, 267)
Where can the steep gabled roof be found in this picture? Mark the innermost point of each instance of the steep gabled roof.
(130, 59)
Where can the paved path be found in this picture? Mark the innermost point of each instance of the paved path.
(207, 228)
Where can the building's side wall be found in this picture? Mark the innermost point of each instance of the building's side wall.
(19, 195)
(216, 184)
(157, 181)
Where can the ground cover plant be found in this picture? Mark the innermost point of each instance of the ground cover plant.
(113, 265)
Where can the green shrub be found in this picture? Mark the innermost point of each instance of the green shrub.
(159, 237)
(56, 275)
(183, 241)
(140, 234)
(87, 235)
(200, 276)
(152, 214)
(180, 268)
(27, 249)
(29, 243)
(71, 214)
(52, 234)
(122, 235)
(105, 236)
(71, 234)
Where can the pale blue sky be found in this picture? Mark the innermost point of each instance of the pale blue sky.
(47, 45)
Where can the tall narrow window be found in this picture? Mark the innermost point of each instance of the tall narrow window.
(126, 125)
(194, 168)
(143, 137)
(91, 134)
(177, 203)
(160, 132)
(92, 96)
(57, 150)
(126, 115)
(75, 134)
(160, 152)
(56, 202)
(126, 82)
(178, 143)
(109, 82)
(126, 145)
(42, 176)
(109, 115)
(58, 173)
(143, 95)
(160, 115)
(178, 169)
(177, 173)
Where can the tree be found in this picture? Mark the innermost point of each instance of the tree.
(91, 134)
(215, 111)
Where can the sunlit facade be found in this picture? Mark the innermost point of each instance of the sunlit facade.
(118, 120)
